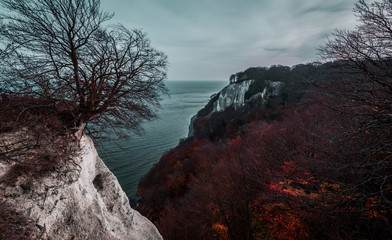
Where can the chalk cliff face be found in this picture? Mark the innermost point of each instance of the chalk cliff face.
(270, 90)
(83, 202)
(234, 95)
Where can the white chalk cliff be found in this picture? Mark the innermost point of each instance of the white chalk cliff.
(232, 95)
(85, 203)
(271, 89)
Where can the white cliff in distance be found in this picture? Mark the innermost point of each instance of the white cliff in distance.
(232, 95)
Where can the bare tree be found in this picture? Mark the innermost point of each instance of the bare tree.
(363, 96)
(58, 50)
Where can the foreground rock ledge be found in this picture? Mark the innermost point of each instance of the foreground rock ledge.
(86, 202)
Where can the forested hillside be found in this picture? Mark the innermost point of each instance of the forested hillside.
(311, 161)
(302, 165)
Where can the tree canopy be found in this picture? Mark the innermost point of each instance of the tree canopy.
(60, 50)
(364, 94)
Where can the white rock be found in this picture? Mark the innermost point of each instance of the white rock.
(232, 95)
(88, 205)
(190, 127)
(271, 89)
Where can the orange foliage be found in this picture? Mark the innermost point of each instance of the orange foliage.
(221, 231)
(281, 222)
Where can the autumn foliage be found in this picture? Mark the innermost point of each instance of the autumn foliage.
(314, 162)
(310, 172)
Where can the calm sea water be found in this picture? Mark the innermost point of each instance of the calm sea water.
(131, 159)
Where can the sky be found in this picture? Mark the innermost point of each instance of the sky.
(212, 39)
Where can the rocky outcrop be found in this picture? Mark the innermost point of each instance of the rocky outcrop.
(190, 128)
(237, 94)
(81, 199)
(271, 89)
(232, 95)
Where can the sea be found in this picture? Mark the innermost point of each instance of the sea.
(130, 159)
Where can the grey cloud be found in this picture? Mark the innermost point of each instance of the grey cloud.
(331, 7)
(210, 39)
(277, 49)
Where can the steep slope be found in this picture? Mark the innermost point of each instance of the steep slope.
(80, 199)
(232, 95)
(296, 165)
(236, 95)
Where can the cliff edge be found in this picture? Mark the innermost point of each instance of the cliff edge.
(78, 199)
(236, 95)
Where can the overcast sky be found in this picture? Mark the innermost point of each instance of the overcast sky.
(211, 39)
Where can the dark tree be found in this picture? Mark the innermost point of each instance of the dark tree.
(59, 50)
(363, 97)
